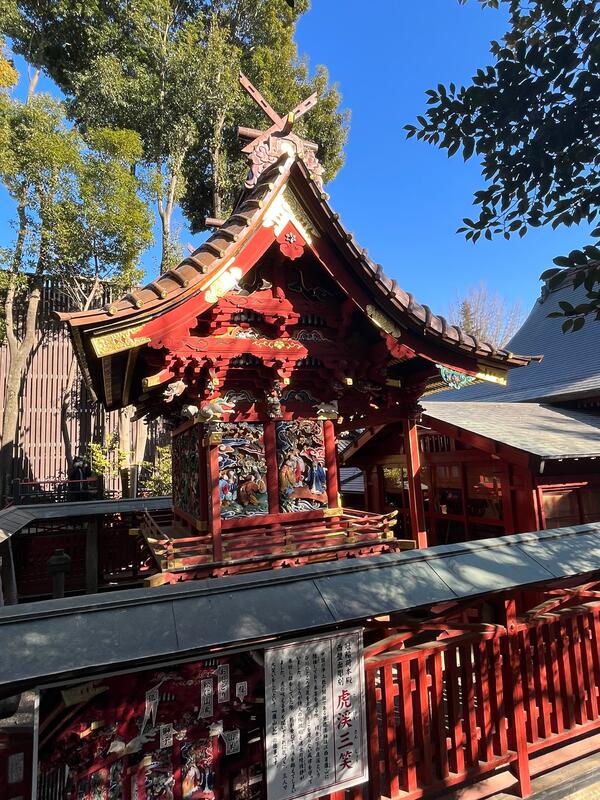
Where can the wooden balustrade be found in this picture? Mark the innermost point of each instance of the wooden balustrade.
(268, 544)
(455, 708)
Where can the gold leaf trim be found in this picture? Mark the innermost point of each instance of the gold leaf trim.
(491, 375)
(383, 322)
(118, 341)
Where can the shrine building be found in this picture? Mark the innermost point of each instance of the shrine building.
(271, 337)
(498, 460)
(471, 667)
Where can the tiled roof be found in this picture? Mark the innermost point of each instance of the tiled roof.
(571, 363)
(178, 284)
(544, 431)
(77, 637)
(352, 480)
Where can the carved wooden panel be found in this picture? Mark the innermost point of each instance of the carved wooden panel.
(242, 470)
(186, 472)
(301, 465)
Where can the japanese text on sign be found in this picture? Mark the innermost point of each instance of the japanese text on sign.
(315, 717)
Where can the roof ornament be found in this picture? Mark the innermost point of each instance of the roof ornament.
(265, 147)
(454, 379)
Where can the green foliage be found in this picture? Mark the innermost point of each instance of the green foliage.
(532, 119)
(168, 70)
(8, 74)
(106, 458)
(78, 208)
(159, 479)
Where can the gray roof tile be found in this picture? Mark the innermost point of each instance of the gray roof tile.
(542, 430)
(571, 363)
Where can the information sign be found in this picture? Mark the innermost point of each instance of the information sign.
(315, 717)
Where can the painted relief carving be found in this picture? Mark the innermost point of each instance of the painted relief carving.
(226, 281)
(242, 470)
(186, 469)
(300, 461)
(454, 379)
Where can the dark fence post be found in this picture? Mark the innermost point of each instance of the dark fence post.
(59, 564)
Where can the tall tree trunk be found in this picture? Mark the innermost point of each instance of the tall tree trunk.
(216, 166)
(66, 393)
(165, 212)
(19, 353)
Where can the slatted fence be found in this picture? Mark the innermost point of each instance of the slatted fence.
(450, 704)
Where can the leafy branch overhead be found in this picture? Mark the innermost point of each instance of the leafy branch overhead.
(169, 71)
(533, 119)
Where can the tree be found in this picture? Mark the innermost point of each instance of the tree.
(487, 316)
(168, 70)
(78, 215)
(533, 118)
(256, 38)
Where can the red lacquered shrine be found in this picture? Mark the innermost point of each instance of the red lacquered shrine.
(276, 332)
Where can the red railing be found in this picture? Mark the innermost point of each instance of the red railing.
(450, 704)
(122, 559)
(259, 547)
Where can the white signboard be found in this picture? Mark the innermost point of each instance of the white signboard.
(315, 717)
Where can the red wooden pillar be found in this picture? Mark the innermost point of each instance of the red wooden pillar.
(270, 443)
(212, 441)
(415, 494)
(516, 708)
(333, 499)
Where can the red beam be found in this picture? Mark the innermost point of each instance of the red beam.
(415, 494)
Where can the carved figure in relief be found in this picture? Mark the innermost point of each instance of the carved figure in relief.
(174, 390)
(327, 410)
(215, 409)
(300, 458)
(274, 400)
(242, 470)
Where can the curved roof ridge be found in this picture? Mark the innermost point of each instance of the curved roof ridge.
(228, 239)
(405, 301)
(221, 245)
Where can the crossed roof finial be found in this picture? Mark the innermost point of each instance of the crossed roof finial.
(281, 125)
(265, 147)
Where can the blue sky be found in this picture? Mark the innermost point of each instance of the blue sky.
(404, 199)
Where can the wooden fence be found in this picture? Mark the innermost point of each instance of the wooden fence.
(450, 703)
(39, 453)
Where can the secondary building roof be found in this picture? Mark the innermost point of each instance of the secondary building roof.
(15, 518)
(541, 430)
(73, 638)
(571, 364)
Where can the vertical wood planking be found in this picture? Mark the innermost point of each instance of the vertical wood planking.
(437, 713)
(388, 711)
(407, 740)
(373, 733)
(468, 694)
(457, 756)
(588, 667)
(422, 721)
(542, 685)
(482, 687)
